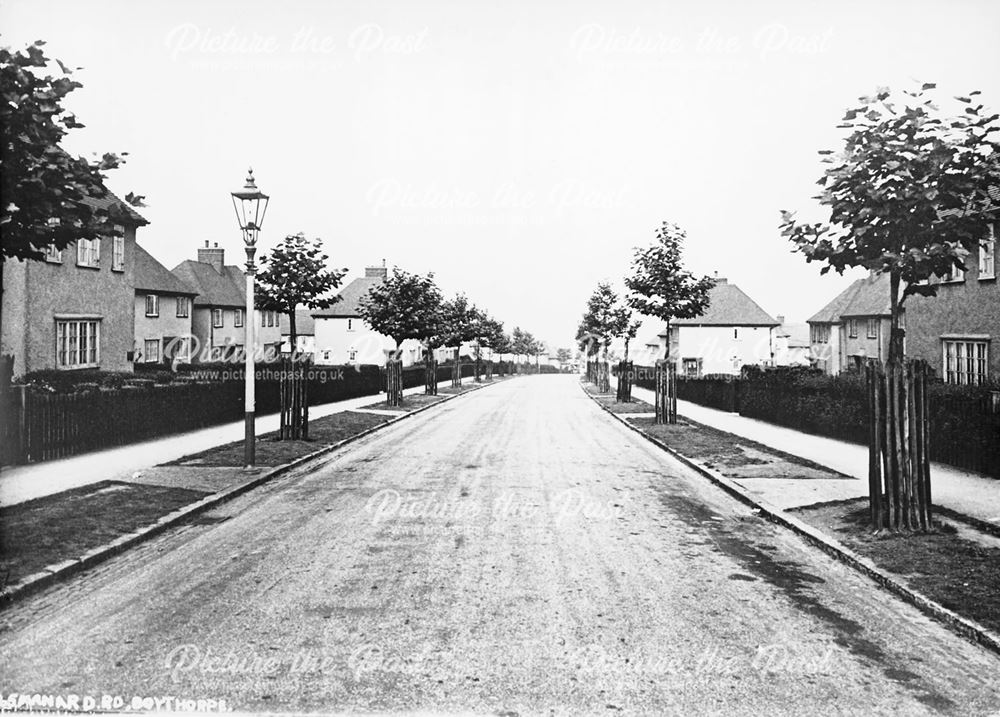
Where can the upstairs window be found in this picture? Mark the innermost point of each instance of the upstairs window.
(872, 332)
(852, 328)
(238, 318)
(987, 256)
(183, 307)
(88, 253)
(118, 251)
(152, 305)
(53, 255)
(954, 275)
(217, 318)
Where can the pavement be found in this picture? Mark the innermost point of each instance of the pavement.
(516, 552)
(970, 494)
(34, 480)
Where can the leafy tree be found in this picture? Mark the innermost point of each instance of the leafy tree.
(661, 287)
(459, 323)
(631, 329)
(604, 319)
(404, 306)
(39, 181)
(294, 274)
(908, 194)
(563, 355)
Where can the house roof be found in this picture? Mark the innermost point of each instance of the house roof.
(214, 289)
(152, 277)
(304, 323)
(350, 297)
(729, 306)
(797, 334)
(865, 297)
(116, 208)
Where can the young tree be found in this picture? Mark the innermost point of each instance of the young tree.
(459, 323)
(604, 319)
(563, 356)
(294, 274)
(908, 196)
(661, 287)
(404, 306)
(39, 181)
(631, 329)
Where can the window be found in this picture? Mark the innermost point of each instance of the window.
(987, 256)
(88, 253)
(118, 251)
(78, 343)
(53, 255)
(966, 362)
(183, 307)
(820, 333)
(238, 318)
(152, 305)
(350, 325)
(692, 367)
(352, 355)
(736, 333)
(852, 328)
(954, 275)
(217, 318)
(151, 350)
(872, 332)
(268, 318)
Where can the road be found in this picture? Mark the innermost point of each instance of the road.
(515, 551)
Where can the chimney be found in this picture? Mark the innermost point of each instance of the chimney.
(379, 271)
(214, 256)
(781, 319)
(720, 279)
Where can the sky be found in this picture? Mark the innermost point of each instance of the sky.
(518, 150)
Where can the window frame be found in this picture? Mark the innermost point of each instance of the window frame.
(871, 328)
(954, 276)
(965, 361)
(53, 255)
(238, 318)
(118, 249)
(220, 322)
(147, 354)
(155, 313)
(183, 307)
(73, 343)
(852, 328)
(988, 257)
(88, 253)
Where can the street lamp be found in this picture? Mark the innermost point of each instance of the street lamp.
(250, 205)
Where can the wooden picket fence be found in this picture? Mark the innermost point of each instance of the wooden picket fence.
(625, 375)
(393, 382)
(665, 392)
(899, 478)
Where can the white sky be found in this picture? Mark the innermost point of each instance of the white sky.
(519, 149)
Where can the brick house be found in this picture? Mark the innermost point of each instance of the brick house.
(342, 337)
(218, 321)
(853, 326)
(73, 309)
(163, 312)
(958, 331)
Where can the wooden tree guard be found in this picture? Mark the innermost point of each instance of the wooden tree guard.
(394, 382)
(456, 370)
(293, 395)
(603, 377)
(624, 394)
(666, 392)
(489, 370)
(430, 376)
(478, 370)
(899, 478)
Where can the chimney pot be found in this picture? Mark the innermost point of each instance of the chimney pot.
(781, 319)
(206, 243)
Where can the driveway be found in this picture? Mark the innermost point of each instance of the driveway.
(515, 551)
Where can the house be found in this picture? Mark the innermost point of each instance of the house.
(73, 309)
(958, 331)
(163, 312)
(733, 331)
(852, 327)
(305, 332)
(218, 314)
(791, 344)
(342, 337)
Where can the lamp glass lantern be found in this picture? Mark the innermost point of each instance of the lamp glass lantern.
(251, 205)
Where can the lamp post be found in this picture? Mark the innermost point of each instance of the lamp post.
(250, 205)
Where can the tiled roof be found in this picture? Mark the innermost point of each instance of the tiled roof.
(350, 296)
(729, 306)
(152, 276)
(304, 323)
(214, 289)
(116, 208)
(864, 297)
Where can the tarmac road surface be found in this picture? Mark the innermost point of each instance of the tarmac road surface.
(514, 551)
